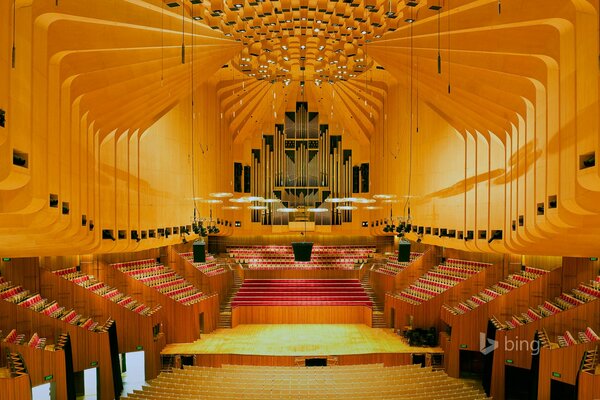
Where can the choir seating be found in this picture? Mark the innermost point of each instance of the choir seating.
(282, 257)
(161, 278)
(370, 381)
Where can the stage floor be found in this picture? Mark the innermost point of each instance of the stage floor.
(298, 340)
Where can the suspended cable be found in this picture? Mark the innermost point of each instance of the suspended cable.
(14, 47)
(182, 33)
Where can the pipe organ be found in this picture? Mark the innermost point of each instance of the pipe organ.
(305, 167)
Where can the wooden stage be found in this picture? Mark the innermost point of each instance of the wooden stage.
(288, 345)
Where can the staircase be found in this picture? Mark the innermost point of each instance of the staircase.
(590, 361)
(378, 319)
(225, 309)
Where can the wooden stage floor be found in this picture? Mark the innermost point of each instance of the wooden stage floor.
(298, 340)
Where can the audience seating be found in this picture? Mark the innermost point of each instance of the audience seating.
(392, 266)
(101, 289)
(567, 339)
(282, 257)
(34, 342)
(161, 278)
(584, 293)
(208, 268)
(511, 282)
(371, 381)
(18, 295)
(439, 279)
(301, 292)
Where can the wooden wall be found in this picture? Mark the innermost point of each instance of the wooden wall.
(216, 360)
(467, 327)
(383, 284)
(574, 319)
(181, 321)
(40, 364)
(301, 315)
(15, 388)
(220, 284)
(88, 347)
(427, 314)
(589, 386)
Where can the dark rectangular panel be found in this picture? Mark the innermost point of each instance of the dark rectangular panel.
(247, 179)
(356, 179)
(237, 177)
(364, 172)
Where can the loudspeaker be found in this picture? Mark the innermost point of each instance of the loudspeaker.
(199, 252)
(302, 251)
(404, 251)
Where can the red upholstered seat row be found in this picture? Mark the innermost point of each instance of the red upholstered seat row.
(563, 302)
(298, 292)
(282, 257)
(439, 279)
(208, 268)
(510, 283)
(35, 302)
(162, 279)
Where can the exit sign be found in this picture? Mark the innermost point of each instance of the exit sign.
(48, 377)
(6, 259)
(94, 363)
(509, 361)
(463, 346)
(556, 374)
(593, 258)
(139, 348)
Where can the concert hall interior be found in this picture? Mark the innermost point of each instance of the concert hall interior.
(323, 199)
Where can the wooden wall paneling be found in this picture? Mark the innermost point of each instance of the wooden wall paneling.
(220, 283)
(181, 321)
(589, 386)
(578, 317)
(301, 274)
(564, 362)
(88, 347)
(133, 330)
(40, 364)
(427, 314)
(301, 315)
(466, 327)
(15, 388)
(217, 360)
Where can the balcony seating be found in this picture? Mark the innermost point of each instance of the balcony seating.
(511, 282)
(439, 279)
(99, 288)
(208, 268)
(584, 293)
(35, 342)
(371, 381)
(282, 257)
(392, 266)
(161, 278)
(21, 297)
(298, 292)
